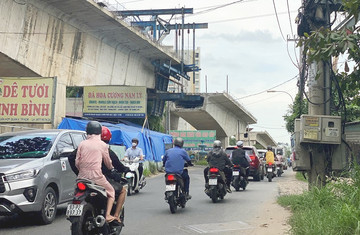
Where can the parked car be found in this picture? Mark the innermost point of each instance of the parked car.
(257, 170)
(35, 175)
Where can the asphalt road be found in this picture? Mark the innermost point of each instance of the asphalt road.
(148, 213)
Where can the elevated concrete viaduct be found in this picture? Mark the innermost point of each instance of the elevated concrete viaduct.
(219, 112)
(79, 42)
(82, 43)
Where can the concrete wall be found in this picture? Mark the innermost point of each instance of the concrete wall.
(52, 43)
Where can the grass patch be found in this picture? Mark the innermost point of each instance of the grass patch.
(146, 172)
(152, 167)
(300, 176)
(202, 162)
(331, 210)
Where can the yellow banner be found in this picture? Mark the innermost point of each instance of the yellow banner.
(114, 101)
(25, 99)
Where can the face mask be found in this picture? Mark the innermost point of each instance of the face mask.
(134, 144)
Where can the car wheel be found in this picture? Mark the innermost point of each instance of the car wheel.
(49, 206)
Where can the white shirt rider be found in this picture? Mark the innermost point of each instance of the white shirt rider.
(133, 152)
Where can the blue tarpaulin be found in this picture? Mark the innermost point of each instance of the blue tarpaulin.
(151, 142)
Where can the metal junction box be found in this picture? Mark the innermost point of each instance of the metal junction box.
(320, 129)
(301, 158)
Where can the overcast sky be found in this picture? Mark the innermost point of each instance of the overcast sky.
(244, 42)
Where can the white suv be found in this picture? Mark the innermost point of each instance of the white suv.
(35, 175)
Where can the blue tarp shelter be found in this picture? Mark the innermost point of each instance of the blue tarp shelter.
(151, 142)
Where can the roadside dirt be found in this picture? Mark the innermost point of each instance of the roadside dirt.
(270, 223)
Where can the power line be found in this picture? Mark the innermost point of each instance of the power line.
(247, 18)
(217, 7)
(278, 22)
(288, 9)
(244, 97)
(236, 99)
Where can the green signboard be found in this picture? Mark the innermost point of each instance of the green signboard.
(192, 139)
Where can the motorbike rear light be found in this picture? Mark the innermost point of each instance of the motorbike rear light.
(170, 177)
(214, 170)
(252, 158)
(270, 163)
(81, 186)
(236, 166)
(76, 201)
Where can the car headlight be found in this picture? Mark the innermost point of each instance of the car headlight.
(22, 175)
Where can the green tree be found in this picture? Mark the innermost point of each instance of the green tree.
(294, 112)
(323, 44)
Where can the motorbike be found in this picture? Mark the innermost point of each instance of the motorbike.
(279, 166)
(87, 210)
(134, 184)
(239, 178)
(270, 171)
(217, 186)
(174, 193)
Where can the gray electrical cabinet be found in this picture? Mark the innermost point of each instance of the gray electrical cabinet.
(320, 129)
(301, 158)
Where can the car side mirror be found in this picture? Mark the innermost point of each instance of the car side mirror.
(65, 152)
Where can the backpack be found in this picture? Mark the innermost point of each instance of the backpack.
(238, 158)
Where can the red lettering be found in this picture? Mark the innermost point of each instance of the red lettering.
(8, 109)
(24, 110)
(10, 91)
(35, 109)
(32, 91)
(45, 109)
(130, 95)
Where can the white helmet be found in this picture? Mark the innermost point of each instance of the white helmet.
(239, 143)
(217, 144)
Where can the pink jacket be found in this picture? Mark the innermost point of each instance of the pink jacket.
(89, 157)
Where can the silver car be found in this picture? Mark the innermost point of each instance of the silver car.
(35, 175)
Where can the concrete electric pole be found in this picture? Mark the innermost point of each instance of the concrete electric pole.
(319, 101)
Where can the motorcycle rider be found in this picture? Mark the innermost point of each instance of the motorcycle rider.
(241, 157)
(119, 167)
(89, 157)
(270, 157)
(134, 152)
(219, 159)
(174, 161)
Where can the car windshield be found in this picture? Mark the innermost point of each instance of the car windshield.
(250, 152)
(25, 146)
(228, 151)
(261, 154)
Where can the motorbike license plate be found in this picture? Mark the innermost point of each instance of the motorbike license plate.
(269, 169)
(74, 210)
(235, 173)
(212, 181)
(170, 187)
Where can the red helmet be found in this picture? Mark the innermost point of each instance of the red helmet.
(105, 134)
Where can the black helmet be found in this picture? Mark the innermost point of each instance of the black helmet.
(179, 142)
(134, 140)
(217, 144)
(93, 128)
(269, 147)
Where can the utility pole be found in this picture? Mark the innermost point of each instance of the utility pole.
(319, 104)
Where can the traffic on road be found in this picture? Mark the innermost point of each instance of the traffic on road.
(30, 200)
